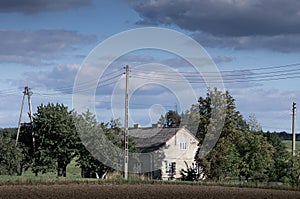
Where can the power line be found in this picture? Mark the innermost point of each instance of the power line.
(229, 71)
(234, 74)
(196, 78)
(283, 72)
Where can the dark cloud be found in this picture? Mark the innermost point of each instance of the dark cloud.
(36, 47)
(36, 6)
(225, 17)
(282, 43)
(271, 24)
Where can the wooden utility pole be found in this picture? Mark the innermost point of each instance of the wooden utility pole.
(27, 92)
(126, 125)
(294, 129)
(20, 118)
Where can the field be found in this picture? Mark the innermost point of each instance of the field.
(139, 191)
(50, 186)
(288, 144)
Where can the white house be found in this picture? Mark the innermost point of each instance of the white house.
(164, 151)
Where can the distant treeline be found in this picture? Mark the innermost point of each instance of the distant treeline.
(11, 132)
(288, 136)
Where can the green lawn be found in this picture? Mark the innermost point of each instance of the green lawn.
(73, 172)
(288, 144)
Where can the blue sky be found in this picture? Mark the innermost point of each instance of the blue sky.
(44, 43)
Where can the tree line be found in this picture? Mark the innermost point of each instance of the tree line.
(242, 152)
(57, 143)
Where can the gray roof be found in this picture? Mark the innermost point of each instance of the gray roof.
(150, 139)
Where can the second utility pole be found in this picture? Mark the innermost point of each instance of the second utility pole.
(126, 126)
(27, 92)
(294, 129)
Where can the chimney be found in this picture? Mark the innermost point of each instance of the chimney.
(157, 125)
(136, 126)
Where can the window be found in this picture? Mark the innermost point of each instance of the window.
(138, 167)
(167, 167)
(170, 168)
(183, 145)
(196, 167)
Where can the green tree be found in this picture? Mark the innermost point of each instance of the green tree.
(55, 136)
(217, 162)
(190, 119)
(280, 171)
(87, 125)
(101, 143)
(254, 125)
(294, 168)
(256, 153)
(10, 157)
(238, 152)
(172, 119)
(162, 121)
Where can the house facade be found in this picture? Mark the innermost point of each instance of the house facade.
(164, 152)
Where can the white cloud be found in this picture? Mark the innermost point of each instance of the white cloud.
(272, 107)
(38, 48)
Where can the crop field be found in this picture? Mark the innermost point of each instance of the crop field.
(139, 191)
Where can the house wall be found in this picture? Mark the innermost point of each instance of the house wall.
(181, 148)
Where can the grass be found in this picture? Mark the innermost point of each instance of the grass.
(74, 177)
(288, 144)
(117, 179)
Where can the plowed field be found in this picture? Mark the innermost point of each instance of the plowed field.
(140, 192)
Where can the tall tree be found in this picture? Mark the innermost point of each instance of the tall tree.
(99, 146)
(173, 119)
(162, 121)
(190, 119)
(254, 125)
(55, 136)
(214, 164)
(237, 152)
(87, 125)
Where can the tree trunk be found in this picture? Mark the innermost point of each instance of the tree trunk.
(85, 172)
(61, 170)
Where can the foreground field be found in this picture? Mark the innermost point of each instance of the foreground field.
(139, 191)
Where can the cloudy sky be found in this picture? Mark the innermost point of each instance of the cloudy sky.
(254, 43)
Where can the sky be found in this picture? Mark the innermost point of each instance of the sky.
(255, 44)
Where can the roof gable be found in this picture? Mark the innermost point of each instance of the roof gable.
(151, 139)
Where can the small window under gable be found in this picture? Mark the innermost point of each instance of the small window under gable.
(183, 145)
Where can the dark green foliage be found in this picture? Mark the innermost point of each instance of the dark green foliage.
(281, 158)
(256, 154)
(190, 119)
(55, 136)
(294, 172)
(9, 133)
(10, 157)
(190, 174)
(172, 119)
(101, 143)
(87, 126)
(238, 152)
